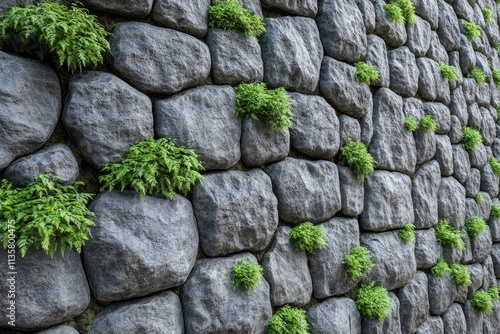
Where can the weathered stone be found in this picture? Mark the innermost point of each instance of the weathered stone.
(429, 79)
(495, 147)
(433, 325)
(60, 329)
(455, 132)
(489, 181)
(436, 50)
(334, 315)
(458, 106)
(495, 257)
(418, 39)
(441, 114)
(127, 8)
(300, 8)
(463, 10)
(475, 116)
(349, 128)
(469, 89)
(391, 324)
(366, 123)
(376, 55)
(403, 71)
(186, 16)
(494, 223)
(483, 94)
(461, 163)
(451, 202)
(481, 246)
(478, 157)
(424, 193)
(414, 303)
(454, 320)
(351, 192)
(489, 273)
(368, 13)
(488, 130)
(454, 60)
(448, 28)
(425, 143)
(394, 34)
(166, 227)
(428, 10)
(484, 208)
(491, 322)
(473, 319)
(473, 182)
(427, 249)
(442, 292)
(444, 155)
(8, 4)
(476, 277)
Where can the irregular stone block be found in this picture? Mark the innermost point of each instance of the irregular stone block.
(469, 87)
(61, 329)
(491, 322)
(394, 34)
(414, 303)
(489, 181)
(467, 55)
(441, 114)
(478, 157)
(442, 292)
(481, 246)
(461, 163)
(429, 78)
(458, 106)
(188, 17)
(368, 13)
(495, 257)
(8, 4)
(376, 55)
(436, 50)
(454, 60)
(463, 10)
(483, 95)
(476, 277)
(403, 71)
(349, 128)
(334, 315)
(455, 132)
(433, 325)
(366, 123)
(448, 28)
(418, 37)
(473, 182)
(428, 10)
(351, 192)
(473, 318)
(488, 129)
(300, 8)
(454, 320)
(489, 273)
(391, 324)
(444, 155)
(494, 223)
(451, 202)
(427, 249)
(127, 8)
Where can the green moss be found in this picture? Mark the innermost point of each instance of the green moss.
(482, 301)
(373, 302)
(479, 198)
(495, 165)
(460, 274)
(400, 11)
(494, 292)
(308, 237)
(448, 72)
(449, 236)
(440, 269)
(475, 226)
(471, 30)
(288, 320)
(231, 15)
(407, 233)
(428, 124)
(487, 15)
(495, 74)
(246, 275)
(471, 138)
(355, 155)
(357, 263)
(478, 75)
(495, 211)
(394, 13)
(411, 124)
(366, 73)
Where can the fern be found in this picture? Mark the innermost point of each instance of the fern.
(471, 138)
(400, 11)
(478, 75)
(428, 124)
(487, 15)
(495, 74)
(366, 73)
(448, 72)
(231, 15)
(471, 30)
(354, 155)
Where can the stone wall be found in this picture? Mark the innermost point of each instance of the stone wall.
(163, 266)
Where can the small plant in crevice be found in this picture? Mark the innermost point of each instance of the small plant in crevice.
(479, 198)
(400, 11)
(154, 167)
(471, 138)
(308, 237)
(448, 236)
(498, 113)
(495, 74)
(495, 165)
(45, 214)
(495, 211)
(366, 73)
(394, 13)
(411, 124)
(475, 226)
(440, 268)
(487, 15)
(271, 106)
(373, 302)
(231, 15)
(288, 320)
(494, 292)
(355, 156)
(407, 233)
(428, 124)
(478, 75)
(460, 274)
(246, 275)
(448, 72)
(482, 301)
(471, 30)
(357, 263)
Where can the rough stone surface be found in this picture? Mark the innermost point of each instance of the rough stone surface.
(61, 329)
(455, 132)
(444, 155)
(451, 202)
(368, 13)
(441, 114)
(469, 87)
(442, 292)
(476, 276)
(127, 8)
(376, 55)
(454, 320)
(448, 29)
(394, 34)
(190, 17)
(155, 255)
(433, 325)
(461, 163)
(481, 246)
(430, 80)
(467, 55)
(494, 223)
(428, 10)
(489, 181)
(418, 37)
(391, 324)
(403, 71)
(427, 249)
(204, 119)
(436, 50)
(351, 192)
(137, 47)
(458, 105)
(414, 303)
(334, 315)
(301, 8)
(349, 128)
(473, 319)
(473, 182)
(495, 257)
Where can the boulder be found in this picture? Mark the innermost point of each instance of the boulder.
(442, 293)
(473, 318)
(403, 71)
(448, 28)
(433, 325)
(334, 315)
(489, 181)
(441, 114)
(427, 248)
(451, 202)
(425, 186)
(472, 186)
(127, 8)
(368, 13)
(352, 192)
(189, 17)
(455, 132)
(454, 320)
(444, 155)
(376, 55)
(418, 37)
(301, 8)
(414, 303)
(394, 34)
(429, 11)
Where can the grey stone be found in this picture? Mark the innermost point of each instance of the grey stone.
(153, 314)
(476, 277)
(418, 39)
(495, 147)
(327, 270)
(478, 157)
(57, 159)
(483, 209)
(430, 80)
(483, 94)
(427, 249)
(489, 181)
(391, 324)
(235, 58)
(448, 29)
(424, 193)
(260, 145)
(339, 87)
(48, 290)
(211, 304)
(442, 293)
(458, 106)
(463, 256)
(491, 322)
(461, 163)
(413, 108)
(472, 186)
(455, 132)
(436, 50)
(388, 201)
(481, 246)
(473, 319)
(395, 264)
(127, 8)
(190, 17)
(294, 68)
(366, 123)
(286, 271)
(166, 227)
(136, 48)
(463, 10)
(441, 114)
(469, 89)
(344, 37)
(475, 117)
(451, 202)
(432, 325)
(294, 7)
(314, 134)
(414, 303)
(392, 146)
(235, 211)
(494, 223)
(495, 257)
(349, 128)
(489, 273)
(428, 10)
(253, 6)
(204, 119)
(334, 315)
(394, 34)
(376, 55)
(26, 85)
(444, 155)
(425, 143)
(454, 320)
(454, 60)
(403, 71)
(368, 13)
(8, 4)
(488, 129)
(60, 329)
(483, 64)
(351, 192)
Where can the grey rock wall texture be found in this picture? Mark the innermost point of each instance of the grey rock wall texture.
(155, 265)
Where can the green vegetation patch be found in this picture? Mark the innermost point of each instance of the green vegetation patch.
(479, 198)
(246, 275)
(407, 233)
(231, 15)
(355, 156)
(400, 11)
(460, 274)
(494, 292)
(495, 211)
(482, 301)
(478, 75)
(471, 30)
(366, 73)
(428, 124)
(373, 302)
(308, 237)
(448, 236)
(448, 72)
(471, 138)
(288, 320)
(496, 77)
(475, 226)
(495, 165)
(487, 15)
(411, 124)
(440, 269)
(357, 263)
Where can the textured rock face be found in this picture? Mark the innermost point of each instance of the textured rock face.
(442, 293)
(235, 211)
(448, 28)
(61, 329)
(105, 116)
(190, 17)
(454, 320)
(393, 34)
(425, 186)
(403, 71)
(155, 238)
(391, 324)
(451, 202)
(427, 249)
(414, 303)
(26, 85)
(136, 48)
(8, 4)
(334, 315)
(301, 8)
(128, 8)
(351, 192)
(433, 325)
(376, 55)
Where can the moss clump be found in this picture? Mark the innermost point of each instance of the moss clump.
(448, 236)
(357, 263)
(475, 226)
(440, 269)
(308, 237)
(495, 165)
(428, 124)
(478, 75)
(487, 15)
(479, 198)
(411, 125)
(373, 302)
(366, 73)
(400, 11)
(495, 74)
(482, 301)
(471, 30)
(246, 275)
(495, 211)
(407, 233)
(471, 138)
(231, 15)
(355, 156)
(448, 72)
(288, 320)
(460, 274)
(494, 292)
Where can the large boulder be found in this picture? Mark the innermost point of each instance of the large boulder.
(334, 315)
(424, 192)
(190, 17)
(418, 37)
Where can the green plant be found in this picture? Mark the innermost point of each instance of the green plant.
(73, 37)
(394, 13)
(357, 263)
(448, 72)
(308, 237)
(482, 301)
(411, 124)
(478, 75)
(366, 73)
(356, 157)
(448, 236)
(475, 226)
(479, 198)
(471, 138)
(498, 113)
(246, 275)
(460, 274)
(428, 124)
(272, 106)
(487, 15)
(400, 11)
(288, 320)
(495, 74)
(407, 233)
(494, 292)
(471, 30)
(231, 15)
(154, 167)
(440, 269)
(495, 165)
(45, 214)
(495, 211)
(373, 302)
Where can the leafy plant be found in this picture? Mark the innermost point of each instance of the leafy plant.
(479, 198)
(356, 157)
(487, 15)
(154, 167)
(495, 165)
(482, 301)
(357, 263)
(400, 11)
(448, 72)
(308, 237)
(496, 77)
(460, 274)
(246, 275)
(71, 35)
(471, 30)
(471, 138)
(366, 73)
(478, 75)
(46, 214)
(495, 211)
(407, 233)
(288, 320)
(394, 13)
(440, 269)
(428, 124)
(373, 302)
(272, 106)
(498, 113)
(475, 226)
(494, 292)
(411, 124)
(231, 15)
(448, 236)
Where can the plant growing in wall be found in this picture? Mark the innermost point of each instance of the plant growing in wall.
(246, 275)
(495, 211)
(471, 138)
(271, 106)
(308, 237)
(154, 167)
(487, 15)
(479, 198)
(449, 236)
(428, 124)
(400, 11)
(366, 73)
(288, 320)
(494, 292)
(448, 72)
(71, 35)
(407, 233)
(411, 124)
(440, 269)
(495, 165)
(357, 263)
(355, 156)
(471, 30)
(231, 15)
(482, 301)
(478, 75)
(460, 274)
(373, 302)
(45, 214)
(475, 226)
(495, 74)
